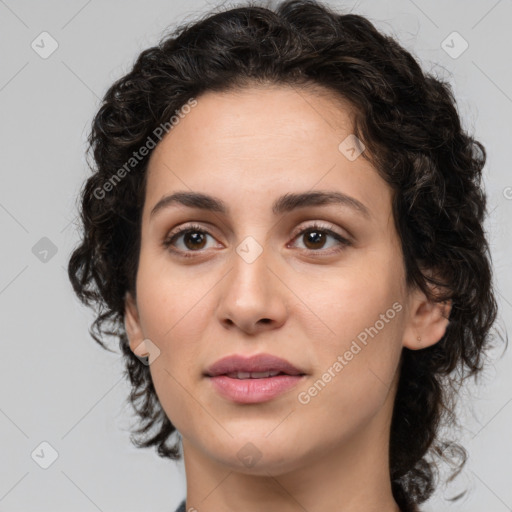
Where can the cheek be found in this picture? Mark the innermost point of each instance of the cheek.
(175, 311)
(173, 317)
(356, 362)
(354, 373)
(171, 299)
(351, 300)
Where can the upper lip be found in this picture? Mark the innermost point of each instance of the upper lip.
(256, 363)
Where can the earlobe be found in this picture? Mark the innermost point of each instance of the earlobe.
(133, 327)
(427, 323)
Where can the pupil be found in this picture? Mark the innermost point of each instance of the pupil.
(315, 237)
(195, 237)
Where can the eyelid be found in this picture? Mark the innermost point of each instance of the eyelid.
(320, 225)
(192, 226)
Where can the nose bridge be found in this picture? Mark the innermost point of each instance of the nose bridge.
(252, 252)
(251, 292)
(251, 273)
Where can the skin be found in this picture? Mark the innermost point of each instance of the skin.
(248, 148)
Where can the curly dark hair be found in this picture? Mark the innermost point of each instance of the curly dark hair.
(408, 121)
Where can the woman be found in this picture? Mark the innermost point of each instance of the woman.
(284, 230)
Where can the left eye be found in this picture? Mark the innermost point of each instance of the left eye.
(194, 239)
(316, 235)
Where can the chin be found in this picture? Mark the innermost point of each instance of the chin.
(258, 456)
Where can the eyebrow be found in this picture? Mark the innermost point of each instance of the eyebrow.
(283, 204)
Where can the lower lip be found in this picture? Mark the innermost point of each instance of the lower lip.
(251, 391)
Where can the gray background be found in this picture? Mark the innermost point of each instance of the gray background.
(58, 385)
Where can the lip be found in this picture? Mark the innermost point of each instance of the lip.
(256, 363)
(253, 390)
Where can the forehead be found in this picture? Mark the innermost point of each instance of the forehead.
(280, 117)
(254, 143)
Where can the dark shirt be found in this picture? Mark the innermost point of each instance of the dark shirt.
(181, 508)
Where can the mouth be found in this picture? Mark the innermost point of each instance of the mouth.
(255, 379)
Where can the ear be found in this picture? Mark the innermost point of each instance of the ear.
(427, 321)
(133, 327)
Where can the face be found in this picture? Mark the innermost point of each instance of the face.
(258, 278)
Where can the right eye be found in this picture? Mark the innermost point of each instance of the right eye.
(194, 239)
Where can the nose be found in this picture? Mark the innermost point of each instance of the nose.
(253, 297)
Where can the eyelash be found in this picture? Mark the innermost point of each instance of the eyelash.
(167, 243)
